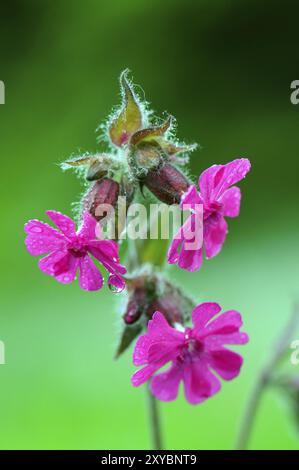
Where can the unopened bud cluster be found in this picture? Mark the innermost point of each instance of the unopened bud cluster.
(141, 155)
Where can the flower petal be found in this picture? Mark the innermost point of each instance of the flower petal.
(143, 375)
(165, 385)
(214, 236)
(42, 238)
(185, 248)
(199, 382)
(105, 249)
(66, 269)
(191, 198)
(159, 333)
(203, 313)
(90, 228)
(90, 278)
(231, 200)
(226, 363)
(48, 263)
(227, 323)
(190, 259)
(217, 341)
(216, 179)
(65, 224)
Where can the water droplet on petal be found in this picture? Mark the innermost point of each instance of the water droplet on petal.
(115, 285)
(36, 229)
(115, 289)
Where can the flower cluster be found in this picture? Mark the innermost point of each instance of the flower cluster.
(143, 159)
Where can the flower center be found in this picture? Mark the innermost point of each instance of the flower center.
(191, 349)
(78, 247)
(212, 210)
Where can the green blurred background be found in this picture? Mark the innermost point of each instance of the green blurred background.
(224, 69)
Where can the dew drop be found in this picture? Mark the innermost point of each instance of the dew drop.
(115, 284)
(115, 289)
(36, 229)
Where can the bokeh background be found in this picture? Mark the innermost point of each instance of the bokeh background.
(224, 69)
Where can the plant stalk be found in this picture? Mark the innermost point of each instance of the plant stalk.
(155, 425)
(264, 379)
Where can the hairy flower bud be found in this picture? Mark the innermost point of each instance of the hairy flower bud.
(147, 294)
(136, 306)
(104, 191)
(166, 183)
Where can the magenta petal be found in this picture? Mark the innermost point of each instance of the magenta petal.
(203, 313)
(159, 328)
(162, 352)
(42, 238)
(189, 255)
(226, 363)
(140, 354)
(89, 228)
(106, 248)
(206, 182)
(217, 341)
(66, 269)
(90, 278)
(190, 198)
(190, 260)
(199, 382)
(227, 323)
(216, 179)
(173, 251)
(165, 385)
(214, 237)
(231, 200)
(161, 335)
(232, 173)
(65, 224)
(143, 375)
(48, 263)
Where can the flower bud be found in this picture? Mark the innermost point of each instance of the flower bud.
(147, 294)
(166, 183)
(136, 306)
(104, 191)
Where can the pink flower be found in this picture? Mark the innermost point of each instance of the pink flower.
(70, 250)
(219, 199)
(192, 354)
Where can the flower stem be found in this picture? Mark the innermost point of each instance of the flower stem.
(264, 379)
(154, 418)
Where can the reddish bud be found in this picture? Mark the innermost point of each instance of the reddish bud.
(104, 191)
(167, 184)
(136, 305)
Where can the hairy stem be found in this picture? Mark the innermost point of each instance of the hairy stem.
(155, 425)
(264, 380)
